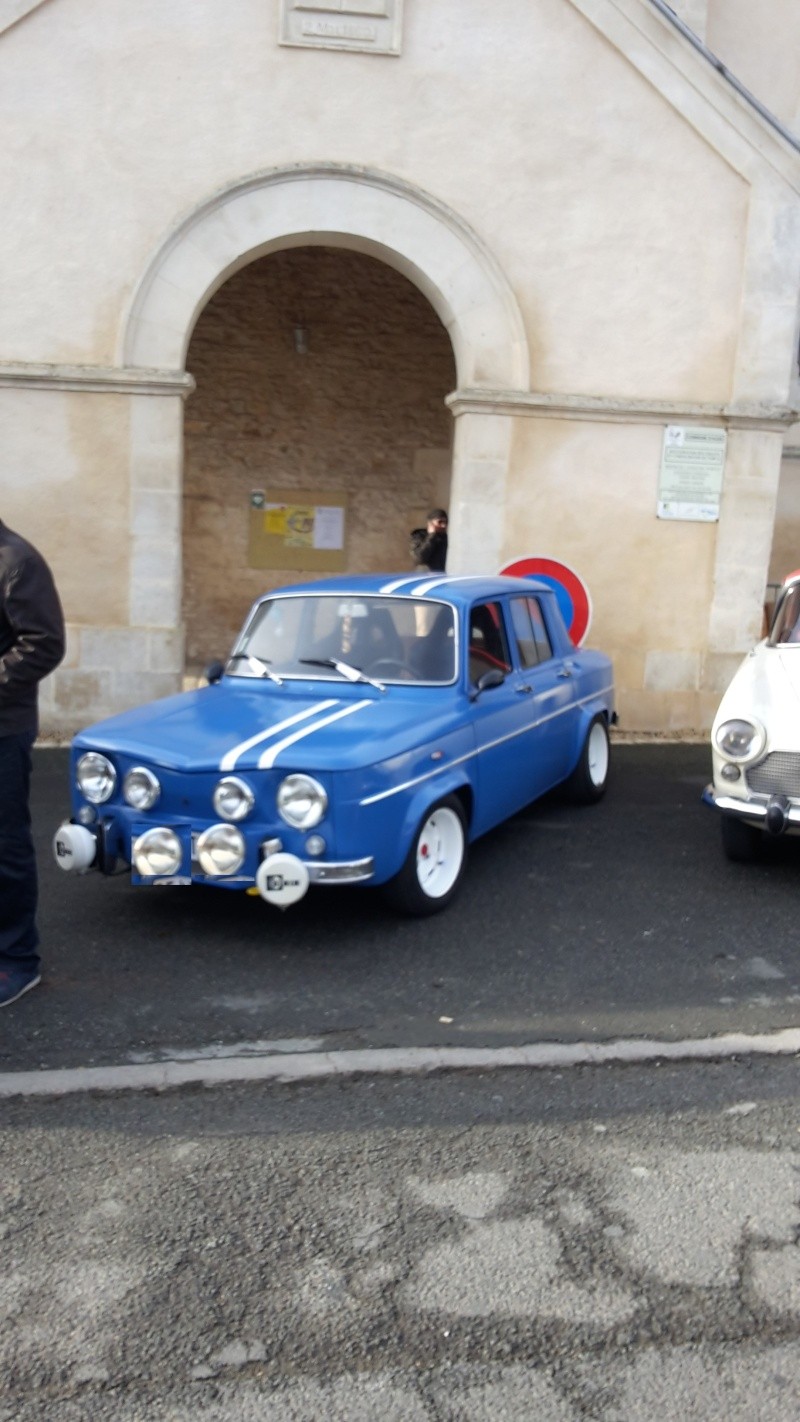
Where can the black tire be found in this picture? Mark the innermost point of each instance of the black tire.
(418, 892)
(741, 842)
(588, 781)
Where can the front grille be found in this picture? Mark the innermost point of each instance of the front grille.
(776, 774)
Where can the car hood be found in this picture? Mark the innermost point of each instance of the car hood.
(767, 686)
(241, 726)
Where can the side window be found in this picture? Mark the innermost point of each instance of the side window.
(487, 640)
(540, 635)
(523, 631)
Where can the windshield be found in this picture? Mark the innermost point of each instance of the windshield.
(786, 627)
(310, 635)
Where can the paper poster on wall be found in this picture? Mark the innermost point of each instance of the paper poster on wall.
(692, 470)
(328, 526)
(307, 535)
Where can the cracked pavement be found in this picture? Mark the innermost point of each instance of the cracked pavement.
(606, 1243)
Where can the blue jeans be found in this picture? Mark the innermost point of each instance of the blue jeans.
(19, 938)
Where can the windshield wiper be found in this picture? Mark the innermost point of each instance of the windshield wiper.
(343, 668)
(258, 664)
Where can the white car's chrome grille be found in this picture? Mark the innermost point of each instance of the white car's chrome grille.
(776, 774)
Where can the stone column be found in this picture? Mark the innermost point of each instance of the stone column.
(481, 455)
(744, 543)
(763, 388)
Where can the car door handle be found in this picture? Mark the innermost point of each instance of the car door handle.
(565, 672)
(523, 690)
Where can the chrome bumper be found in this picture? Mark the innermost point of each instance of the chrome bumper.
(354, 873)
(754, 808)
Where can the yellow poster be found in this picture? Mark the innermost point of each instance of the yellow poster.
(275, 520)
(299, 526)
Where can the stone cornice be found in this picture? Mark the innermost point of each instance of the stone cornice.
(95, 379)
(604, 409)
(694, 87)
(13, 10)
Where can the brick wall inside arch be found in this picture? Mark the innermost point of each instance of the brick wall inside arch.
(361, 413)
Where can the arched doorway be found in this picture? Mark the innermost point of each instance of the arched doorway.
(319, 205)
(316, 369)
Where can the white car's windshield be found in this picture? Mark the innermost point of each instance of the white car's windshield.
(339, 635)
(786, 627)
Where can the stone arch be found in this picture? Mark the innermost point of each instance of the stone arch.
(327, 205)
(330, 205)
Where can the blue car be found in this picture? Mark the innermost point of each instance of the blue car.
(363, 731)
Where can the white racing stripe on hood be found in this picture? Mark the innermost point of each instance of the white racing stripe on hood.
(269, 757)
(230, 757)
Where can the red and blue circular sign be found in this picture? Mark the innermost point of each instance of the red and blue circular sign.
(572, 594)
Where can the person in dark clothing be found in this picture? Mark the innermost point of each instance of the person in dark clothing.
(429, 545)
(31, 645)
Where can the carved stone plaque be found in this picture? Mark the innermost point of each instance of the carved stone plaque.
(371, 26)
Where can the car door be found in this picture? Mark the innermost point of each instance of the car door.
(501, 717)
(547, 687)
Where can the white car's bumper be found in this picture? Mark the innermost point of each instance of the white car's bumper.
(774, 813)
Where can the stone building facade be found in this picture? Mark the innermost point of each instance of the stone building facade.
(399, 254)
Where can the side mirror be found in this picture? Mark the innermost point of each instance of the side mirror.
(493, 677)
(214, 672)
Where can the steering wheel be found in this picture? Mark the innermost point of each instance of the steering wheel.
(387, 664)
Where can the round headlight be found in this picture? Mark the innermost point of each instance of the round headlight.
(141, 788)
(96, 777)
(301, 801)
(740, 740)
(157, 851)
(233, 799)
(220, 850)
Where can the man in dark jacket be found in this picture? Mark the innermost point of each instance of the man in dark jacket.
(429, 545)
(31, 645)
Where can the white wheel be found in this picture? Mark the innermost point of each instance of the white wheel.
(597, 755)
(435, 862)
(588, 780)
(440, 852)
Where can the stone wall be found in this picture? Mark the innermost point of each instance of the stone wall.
(361, 413)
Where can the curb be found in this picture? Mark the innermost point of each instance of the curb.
(317, 1066)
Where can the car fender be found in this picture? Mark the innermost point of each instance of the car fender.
(587, 711)
(422, 801)
(428, 795)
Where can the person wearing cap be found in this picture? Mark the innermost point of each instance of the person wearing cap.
(429, 545)
(31, 645)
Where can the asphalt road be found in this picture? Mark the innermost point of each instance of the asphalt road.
(602, 1245)
(622, 919)
(608, 1243)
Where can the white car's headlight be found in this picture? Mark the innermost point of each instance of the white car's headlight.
(157, 851)
(740, 739)
(301, 801)
(233, 799)
(220, 850)
(141, 788)
(96, 777)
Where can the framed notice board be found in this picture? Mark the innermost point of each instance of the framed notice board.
(297, 528)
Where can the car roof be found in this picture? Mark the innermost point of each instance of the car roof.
(457, 589)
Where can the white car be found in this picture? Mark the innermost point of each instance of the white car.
(755, 738)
